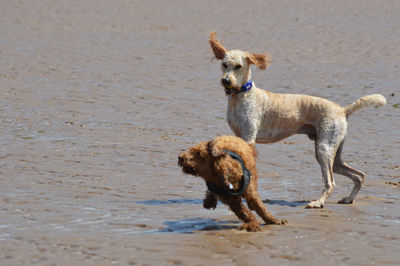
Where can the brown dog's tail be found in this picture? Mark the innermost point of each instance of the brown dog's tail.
(374, 99)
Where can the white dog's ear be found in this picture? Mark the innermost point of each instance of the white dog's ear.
(216, 46)
(260, 60)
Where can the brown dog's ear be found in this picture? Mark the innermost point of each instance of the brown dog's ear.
(214, 150)
(260, 60)
(216, 46)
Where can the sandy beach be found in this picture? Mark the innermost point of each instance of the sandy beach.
(98, 98)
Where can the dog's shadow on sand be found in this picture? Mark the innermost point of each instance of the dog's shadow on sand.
(171, 201)
(191, 225)
(299, 203)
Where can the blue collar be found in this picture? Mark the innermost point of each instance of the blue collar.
(246, 87)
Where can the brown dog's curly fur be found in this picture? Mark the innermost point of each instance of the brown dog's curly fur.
(209, 161)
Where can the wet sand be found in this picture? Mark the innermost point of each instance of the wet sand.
(99, 98)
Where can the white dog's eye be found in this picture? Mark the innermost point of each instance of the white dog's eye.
(224, 65)
(238, 67)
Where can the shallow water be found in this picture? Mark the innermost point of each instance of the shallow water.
(99, 98)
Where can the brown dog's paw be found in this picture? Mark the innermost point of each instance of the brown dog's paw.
(284, 222)
(251, 227)
(210, 200)
(208, 204)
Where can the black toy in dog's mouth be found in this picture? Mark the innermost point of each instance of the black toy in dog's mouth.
(244, 183)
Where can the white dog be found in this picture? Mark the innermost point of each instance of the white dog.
(261, 116)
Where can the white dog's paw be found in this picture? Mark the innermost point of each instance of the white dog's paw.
(346, 200)
(315, 204)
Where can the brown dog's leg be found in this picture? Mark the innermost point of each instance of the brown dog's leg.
(250, 222)
(210, 200)
(257, 205)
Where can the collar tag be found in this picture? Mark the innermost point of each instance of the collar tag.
(246, 87)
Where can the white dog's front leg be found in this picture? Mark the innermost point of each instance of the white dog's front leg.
(244, 117)
(248, 130)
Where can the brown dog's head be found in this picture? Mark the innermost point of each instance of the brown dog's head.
(196, 160)
(210, 161)
(236, 64)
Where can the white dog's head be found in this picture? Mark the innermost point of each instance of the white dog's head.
(236, 64)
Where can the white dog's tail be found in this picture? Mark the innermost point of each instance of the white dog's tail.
(374, 99)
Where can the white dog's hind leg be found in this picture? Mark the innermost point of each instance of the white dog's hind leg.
(326, 145)
(325, 158)
(357, 176)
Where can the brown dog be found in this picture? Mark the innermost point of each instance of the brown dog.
(228, 165)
